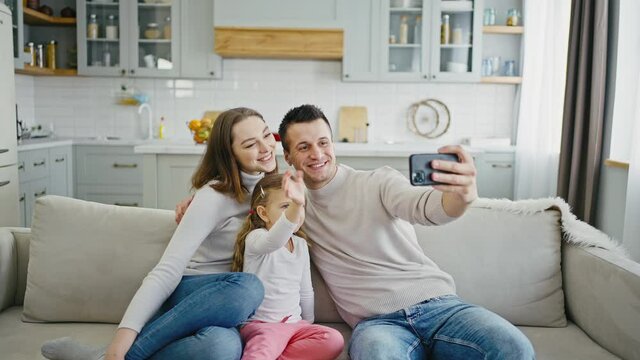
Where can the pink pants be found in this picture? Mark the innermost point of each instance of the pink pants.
(300, 340)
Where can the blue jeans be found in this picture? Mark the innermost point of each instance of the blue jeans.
(440, 328)
(198, 320)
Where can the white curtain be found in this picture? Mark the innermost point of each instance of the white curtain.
(541, 97)
(631, 235)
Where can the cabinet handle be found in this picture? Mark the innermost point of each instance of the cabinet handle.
(41, 193)
(212, 73)
(21, 166)
(3, 183)
(22, 197)
(501, 166)
(123, 72)
(132, 71)
(39, 163)
(346, 76)
(58, 160)
(134, 204)
(125, 166)
(2, 151)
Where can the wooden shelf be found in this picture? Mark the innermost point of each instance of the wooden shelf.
(502, 29)
(617, 164)
(36, 71)
(33, 17)
(501, 79)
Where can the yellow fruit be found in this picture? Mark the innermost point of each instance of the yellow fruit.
(195, 125)
(206, 123)
(203, 133)
(198, 139)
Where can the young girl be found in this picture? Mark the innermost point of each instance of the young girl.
(272, 246)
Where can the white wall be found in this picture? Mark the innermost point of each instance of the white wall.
(83, 106)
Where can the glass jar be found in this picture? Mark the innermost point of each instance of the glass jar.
(40, 56)
(445, 31)
(152, 31)
(51, 54)
(31, 49)
(111, 29)
(92, 27)
(167, 28)
(512, 17)
(489, 16)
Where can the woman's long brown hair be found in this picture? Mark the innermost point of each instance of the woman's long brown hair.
(260, 197)
(219, 162)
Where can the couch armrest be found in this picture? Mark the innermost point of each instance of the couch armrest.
(602, 292)
(8, 268)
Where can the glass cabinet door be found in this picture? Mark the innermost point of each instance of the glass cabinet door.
(15, 6)
(404, 44)
(456, 33)
(102, 36)
(154, 50)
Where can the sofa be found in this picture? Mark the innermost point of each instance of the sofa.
(570, 289)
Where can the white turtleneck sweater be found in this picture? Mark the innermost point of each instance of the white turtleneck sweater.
(365, 246)
(202, 244)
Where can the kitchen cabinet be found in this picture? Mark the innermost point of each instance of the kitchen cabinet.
(108, 174)
(15, 6)
(198, 60)
(280, 14)
(400, 40)
(496, 174)
(129, 38)
(43, 172)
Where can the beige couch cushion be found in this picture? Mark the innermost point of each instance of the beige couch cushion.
(87, 259)
(506, 262)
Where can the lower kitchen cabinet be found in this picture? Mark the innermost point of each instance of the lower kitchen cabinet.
(108, 174)
(496, 174)
(43, 172)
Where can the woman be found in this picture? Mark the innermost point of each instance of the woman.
(197, 302)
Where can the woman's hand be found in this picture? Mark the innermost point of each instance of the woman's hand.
(181, 208)
(120, 344)
(459, 186)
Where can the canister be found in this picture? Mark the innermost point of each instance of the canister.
(30, 48)
(51, 54)
(40, 56)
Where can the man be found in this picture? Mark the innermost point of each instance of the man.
(399, 303)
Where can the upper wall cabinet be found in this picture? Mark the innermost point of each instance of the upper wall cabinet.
(413, 40)
(147, 38)
(15, 6)
(279, 13)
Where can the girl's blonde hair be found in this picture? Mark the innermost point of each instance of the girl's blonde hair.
(259, 197)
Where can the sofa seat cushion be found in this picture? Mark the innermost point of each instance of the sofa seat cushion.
(22, 341)
(564, 343)
(86, 260)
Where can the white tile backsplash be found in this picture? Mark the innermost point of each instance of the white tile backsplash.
(86, 106)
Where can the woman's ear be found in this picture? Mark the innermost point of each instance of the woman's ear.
(262, 213)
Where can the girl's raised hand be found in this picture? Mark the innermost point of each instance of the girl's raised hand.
(293, 187)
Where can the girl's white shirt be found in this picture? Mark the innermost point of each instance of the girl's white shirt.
(286, 276)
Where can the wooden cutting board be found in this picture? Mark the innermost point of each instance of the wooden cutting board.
(353, 124)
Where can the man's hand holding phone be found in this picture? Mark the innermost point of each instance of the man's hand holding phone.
(454, 175)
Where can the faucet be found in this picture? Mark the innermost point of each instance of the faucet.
(140, 109)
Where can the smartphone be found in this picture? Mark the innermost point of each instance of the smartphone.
(420, 167)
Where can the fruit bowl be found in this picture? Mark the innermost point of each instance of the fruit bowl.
(200, 129)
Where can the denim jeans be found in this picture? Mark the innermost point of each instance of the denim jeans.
(198, 320)
(440, 328)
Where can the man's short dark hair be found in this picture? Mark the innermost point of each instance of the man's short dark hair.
(301, 114)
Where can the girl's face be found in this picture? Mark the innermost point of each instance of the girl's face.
(253, 146)
(276, 205)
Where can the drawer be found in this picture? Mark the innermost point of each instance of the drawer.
(33, 164)
(108, 166)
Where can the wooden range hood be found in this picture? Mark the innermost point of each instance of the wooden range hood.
(279, 43)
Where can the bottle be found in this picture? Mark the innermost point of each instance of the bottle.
(161, 128)
(167, 28)
(403, 36)
(456, 35)
(512, 17)
(92, 27)
(51, 54)
(489, 16)
(417, 30)
(111, 29)
(40, 56)
(106, 56)
(445, 31)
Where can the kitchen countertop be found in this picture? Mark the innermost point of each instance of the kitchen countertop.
(341, 149)
(45, 143)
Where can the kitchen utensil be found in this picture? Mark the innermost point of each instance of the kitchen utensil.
(353, 124)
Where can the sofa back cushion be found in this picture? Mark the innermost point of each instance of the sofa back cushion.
(505, 261)
(87, 260)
